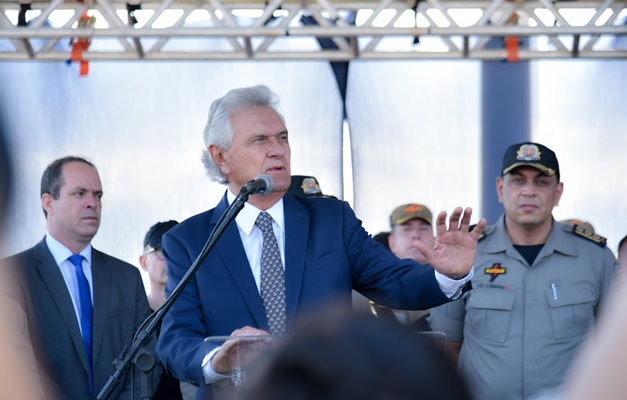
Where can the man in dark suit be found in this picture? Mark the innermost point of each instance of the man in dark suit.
(285, 256)
(83, 306)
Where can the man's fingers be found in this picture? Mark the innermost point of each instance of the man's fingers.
(440, 224)
(466, 219)
(454, 219)
(478, 230)
(458, 221)
(249, 331)
(245, 331)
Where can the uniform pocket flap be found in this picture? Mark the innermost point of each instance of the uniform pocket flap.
(564, 296)
(492, 299)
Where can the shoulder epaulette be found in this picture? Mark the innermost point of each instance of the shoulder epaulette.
(598, 239)
(486, 232)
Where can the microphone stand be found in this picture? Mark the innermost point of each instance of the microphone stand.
(137, 354)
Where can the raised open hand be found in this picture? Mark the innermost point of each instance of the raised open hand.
(454, 250)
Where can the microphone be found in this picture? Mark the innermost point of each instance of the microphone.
(262, 184)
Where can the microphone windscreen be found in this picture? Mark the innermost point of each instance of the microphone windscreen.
(269, 184)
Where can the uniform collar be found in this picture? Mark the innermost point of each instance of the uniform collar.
(558, 240)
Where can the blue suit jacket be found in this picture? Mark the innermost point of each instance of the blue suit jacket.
(327, 253)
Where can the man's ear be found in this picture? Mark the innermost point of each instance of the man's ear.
(142, 262)
(499, 188)
(391, 243)
(47, 203)
(218, 157)
(558, 193)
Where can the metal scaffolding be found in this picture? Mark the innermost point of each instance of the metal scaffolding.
(274, 29)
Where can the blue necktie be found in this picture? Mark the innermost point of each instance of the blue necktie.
(84, 294)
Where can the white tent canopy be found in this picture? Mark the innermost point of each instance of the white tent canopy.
(415, 128)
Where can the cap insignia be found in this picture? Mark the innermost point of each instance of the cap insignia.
(412, 208)
(528, 152)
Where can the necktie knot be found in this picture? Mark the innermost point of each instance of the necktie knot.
(264, 222)
(77, 260)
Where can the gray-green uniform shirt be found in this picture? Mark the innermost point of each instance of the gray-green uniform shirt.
(521, 325)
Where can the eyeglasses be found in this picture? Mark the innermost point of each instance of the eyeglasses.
(158, 252)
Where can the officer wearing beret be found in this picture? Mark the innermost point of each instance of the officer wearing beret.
(538, 287)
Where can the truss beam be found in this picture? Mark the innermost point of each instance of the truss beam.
(369, 30)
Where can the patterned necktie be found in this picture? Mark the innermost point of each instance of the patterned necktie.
(272, 277)
(84, 295)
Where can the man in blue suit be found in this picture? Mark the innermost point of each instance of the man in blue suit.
(83, 306)
(256, 283)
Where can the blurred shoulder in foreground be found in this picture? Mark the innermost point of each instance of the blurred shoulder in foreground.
(19, 375)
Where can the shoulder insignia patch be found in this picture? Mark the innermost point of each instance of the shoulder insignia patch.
(486, 232)
(598, 239)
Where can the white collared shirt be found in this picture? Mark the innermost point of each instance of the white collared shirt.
(61, 255)
(252, 237)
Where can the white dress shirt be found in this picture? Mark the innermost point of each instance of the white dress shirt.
(61, 255)
(252, 237)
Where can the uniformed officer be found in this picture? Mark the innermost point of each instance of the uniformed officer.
(538, 287)
(409, 223)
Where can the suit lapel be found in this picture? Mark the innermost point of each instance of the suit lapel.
(101, 277)
(296, 236)
(233, 255)
(60, 296)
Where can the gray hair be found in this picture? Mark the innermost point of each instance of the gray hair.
(219, 131)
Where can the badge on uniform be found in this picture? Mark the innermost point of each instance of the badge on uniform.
(310, 186)
(495, 271)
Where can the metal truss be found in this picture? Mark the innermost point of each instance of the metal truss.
(337, 30)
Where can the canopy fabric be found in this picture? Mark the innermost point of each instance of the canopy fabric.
(415, 129)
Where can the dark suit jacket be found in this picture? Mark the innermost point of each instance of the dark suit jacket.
(120, 306)
(327, 253)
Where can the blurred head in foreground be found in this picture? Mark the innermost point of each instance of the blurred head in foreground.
(356, 357)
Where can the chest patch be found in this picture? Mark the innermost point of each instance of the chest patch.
(495, 270)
